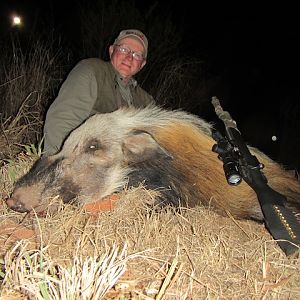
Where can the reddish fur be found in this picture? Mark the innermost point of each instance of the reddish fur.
(193, 154)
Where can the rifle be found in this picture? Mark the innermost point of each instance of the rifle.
(239, 164)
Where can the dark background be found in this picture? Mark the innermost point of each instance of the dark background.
(253, 49)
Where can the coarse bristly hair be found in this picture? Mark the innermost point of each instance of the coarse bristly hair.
(167, 150)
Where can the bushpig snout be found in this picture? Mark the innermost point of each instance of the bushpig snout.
(24, 199)
(29, 193)
(16, 204)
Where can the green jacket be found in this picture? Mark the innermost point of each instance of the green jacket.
(91, 87)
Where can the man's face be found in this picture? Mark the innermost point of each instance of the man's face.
(125, 63)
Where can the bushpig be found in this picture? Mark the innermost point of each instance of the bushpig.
(166, 150)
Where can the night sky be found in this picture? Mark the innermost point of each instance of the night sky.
(256, 48)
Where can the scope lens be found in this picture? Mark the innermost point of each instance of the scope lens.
(234, 179)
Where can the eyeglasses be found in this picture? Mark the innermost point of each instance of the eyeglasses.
(126, 51)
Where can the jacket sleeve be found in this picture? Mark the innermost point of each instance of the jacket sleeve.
(149, 100)
(142, 98)
(72, 106)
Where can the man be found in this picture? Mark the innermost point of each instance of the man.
(97, 86)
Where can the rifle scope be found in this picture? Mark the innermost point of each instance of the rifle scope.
(230, 164)
(231, 171)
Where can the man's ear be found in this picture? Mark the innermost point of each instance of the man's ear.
(143, 64)
(111, 50)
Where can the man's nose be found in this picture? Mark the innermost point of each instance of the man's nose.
(129, 56)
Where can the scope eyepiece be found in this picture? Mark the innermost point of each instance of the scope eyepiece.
(228, 156)
(232, 173)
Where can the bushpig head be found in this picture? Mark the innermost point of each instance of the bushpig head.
(96, 160)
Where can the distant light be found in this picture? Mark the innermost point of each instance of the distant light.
(16, 21)
(274, 138)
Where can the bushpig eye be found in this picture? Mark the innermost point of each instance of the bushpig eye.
(93, 145)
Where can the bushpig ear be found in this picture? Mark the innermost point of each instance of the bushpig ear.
(141, 146)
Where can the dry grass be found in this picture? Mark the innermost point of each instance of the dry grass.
(29, 75)
(139, 254)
